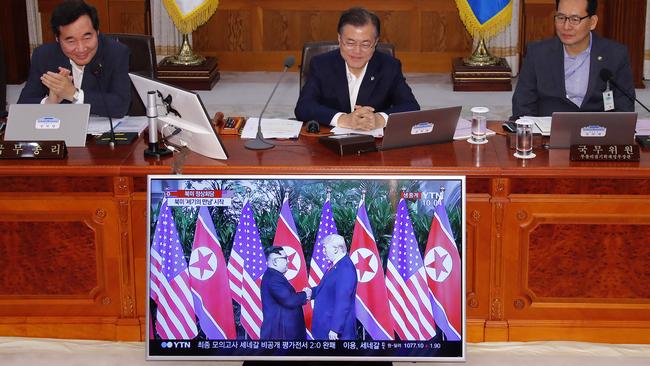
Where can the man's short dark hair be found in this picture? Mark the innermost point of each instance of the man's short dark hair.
(359, 17)
(69, 11)
(592, 6)
(272, 250)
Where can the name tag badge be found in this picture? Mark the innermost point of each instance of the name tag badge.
(48, 123)
(608, 100)
(421, 128)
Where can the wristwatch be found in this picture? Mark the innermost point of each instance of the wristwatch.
(75, 96)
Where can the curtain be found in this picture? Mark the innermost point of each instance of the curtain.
(646, 48)
(168, 39)
(33, 24)
(506, 43)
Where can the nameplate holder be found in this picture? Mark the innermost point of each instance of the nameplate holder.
(349, 144)
(33, 150)
(622, 153)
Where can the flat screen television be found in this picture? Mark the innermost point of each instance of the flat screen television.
(182, 118)
(306, 268)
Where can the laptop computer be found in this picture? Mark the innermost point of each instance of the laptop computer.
(48, 122)
(420, 127)
(592, 128)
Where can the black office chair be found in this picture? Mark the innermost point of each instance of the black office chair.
(311, 49)
(3, 83)
(143, 61)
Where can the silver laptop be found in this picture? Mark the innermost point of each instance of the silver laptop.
(592, 128)
(48, 122)
(420, 127)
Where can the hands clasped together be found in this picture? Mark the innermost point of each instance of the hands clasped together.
(362, 118)
(60, 85)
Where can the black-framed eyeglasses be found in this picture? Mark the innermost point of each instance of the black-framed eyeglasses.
(573, 19)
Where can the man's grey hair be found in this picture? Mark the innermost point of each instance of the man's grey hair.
(336, 240)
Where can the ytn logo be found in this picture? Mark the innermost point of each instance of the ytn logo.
(178, 344)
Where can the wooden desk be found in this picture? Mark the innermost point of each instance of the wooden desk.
(555, 249)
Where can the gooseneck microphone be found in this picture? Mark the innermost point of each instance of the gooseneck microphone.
(154, 149)
(606, 76)
(259, 143)
(97, 71)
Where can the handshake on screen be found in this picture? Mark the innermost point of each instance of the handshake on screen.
(307, 291)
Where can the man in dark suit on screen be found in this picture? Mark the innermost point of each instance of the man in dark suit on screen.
(334, 315)
(283, 317)
(355, 86)
(82, 66)
(563, 73)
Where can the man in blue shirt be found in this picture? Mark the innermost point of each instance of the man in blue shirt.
(562, 74)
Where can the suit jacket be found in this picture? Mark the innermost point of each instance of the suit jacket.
(334, 302)
(281, 308)
(326, 91)
(541, 91)
(112, 78)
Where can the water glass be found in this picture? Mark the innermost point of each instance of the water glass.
(479, 131)
(524, 141)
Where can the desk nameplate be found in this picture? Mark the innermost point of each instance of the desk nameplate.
(33, 150)
(623, 153)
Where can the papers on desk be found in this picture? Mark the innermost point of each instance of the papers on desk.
(643, 127)
(272, 128)
(98, 125)
(464, 130)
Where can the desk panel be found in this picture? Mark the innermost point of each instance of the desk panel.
(555, 249)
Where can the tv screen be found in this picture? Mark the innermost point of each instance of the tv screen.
(306, 268)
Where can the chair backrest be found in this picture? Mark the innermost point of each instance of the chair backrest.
(142, 61)
(311, 49)
(3, 83)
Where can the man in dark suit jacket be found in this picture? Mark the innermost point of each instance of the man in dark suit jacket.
(82, 66)
(334, 315)
(282, 313)
(354, 86)
(562, 74)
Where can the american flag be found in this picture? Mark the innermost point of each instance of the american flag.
(371, 305)
(319, 263)
(209, 281)
(170, 289)
(245, 269)
(444, 275)
(286, 236)
(406, 281)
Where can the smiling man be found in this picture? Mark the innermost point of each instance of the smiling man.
(562, 74)
(82, 66)
(355, 86)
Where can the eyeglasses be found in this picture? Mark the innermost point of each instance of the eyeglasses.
(573, 19)
(364, 46)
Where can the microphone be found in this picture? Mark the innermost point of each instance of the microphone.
(154, 149)
(259, 143)
(606, 76)
(97, 71)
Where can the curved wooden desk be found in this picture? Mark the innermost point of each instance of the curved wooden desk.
(555, 249)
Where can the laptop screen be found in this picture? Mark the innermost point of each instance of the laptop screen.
(48, 122)
(592, 128)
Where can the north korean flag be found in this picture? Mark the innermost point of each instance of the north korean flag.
(286, 236)
(444, 275)
(209, 281)
(371, 303)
